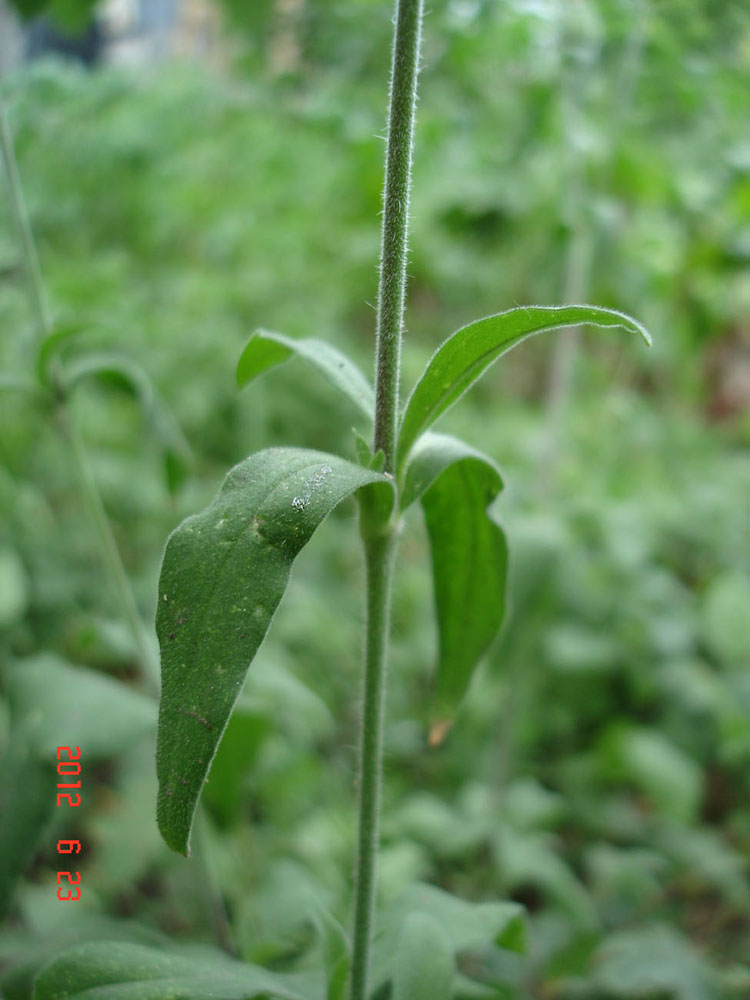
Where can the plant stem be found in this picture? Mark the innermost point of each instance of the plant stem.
(379, 553)
(391, 291)
(92, 497)
(18, 207)
(379, 532)
(109, 551)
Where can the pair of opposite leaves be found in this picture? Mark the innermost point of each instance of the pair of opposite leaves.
(225, 569)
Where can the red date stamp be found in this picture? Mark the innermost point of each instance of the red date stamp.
(68, 770)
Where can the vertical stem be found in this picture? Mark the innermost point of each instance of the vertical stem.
(379, 533)
(391, 291)
(18, 207)
(92, 497)
(379, 555)
(109, 552)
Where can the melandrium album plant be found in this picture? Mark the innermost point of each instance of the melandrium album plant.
(225, 569)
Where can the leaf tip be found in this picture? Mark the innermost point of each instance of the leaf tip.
(647, 336)
(173, 834)
(439, 729)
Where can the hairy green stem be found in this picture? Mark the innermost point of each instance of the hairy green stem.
(379, 555)
(393, 249)
(378, 532)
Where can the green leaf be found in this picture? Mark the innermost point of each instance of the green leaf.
(456, 485)
(465, 355)
(64, 705)
(266, 349)
(128, 375)
(669, 776)
(224, 572)
(335, 952)
(50, 348)
(653, 960)
(117, 970)
(467, 925)
(362, 447)
(14, 587)
(243, 739)
(24, 953)
(424, 966)
(724, 618)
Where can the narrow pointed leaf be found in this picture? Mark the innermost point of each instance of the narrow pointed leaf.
(266, 349)
(119, 970)
(223, 575)
(424, 965)
(456, 485)
(465, 355)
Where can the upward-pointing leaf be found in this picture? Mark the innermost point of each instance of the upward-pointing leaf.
(456, 484)
(266, 349)
(224, 573)
(464, 356)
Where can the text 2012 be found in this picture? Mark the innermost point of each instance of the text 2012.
(68, 770)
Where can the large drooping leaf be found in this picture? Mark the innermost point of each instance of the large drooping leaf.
(468, 926)
(266, 349)
(119, 970)
(456, 485)
(462, 358)
(424, 965)
(224, 573)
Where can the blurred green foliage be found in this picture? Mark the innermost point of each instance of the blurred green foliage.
(599, 771)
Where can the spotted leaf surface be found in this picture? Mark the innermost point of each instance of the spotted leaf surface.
(223, 575)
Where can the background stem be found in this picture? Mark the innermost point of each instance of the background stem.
(109, 551)
(378, 532)
(18, 207)
(110, 554)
